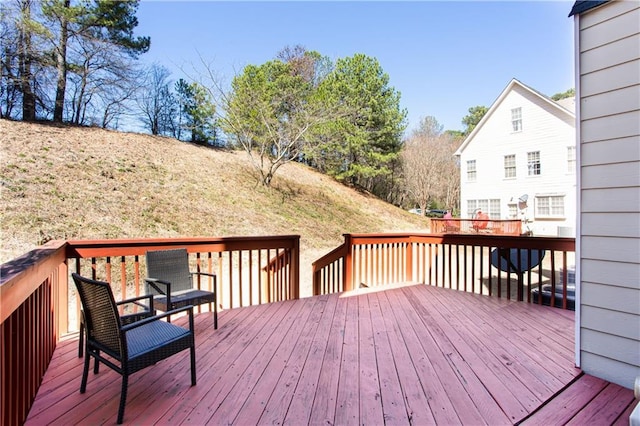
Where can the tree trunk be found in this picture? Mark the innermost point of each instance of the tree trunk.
(24, 65)
(61, 65)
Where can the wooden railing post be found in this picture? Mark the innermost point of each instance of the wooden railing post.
(294, 285)
(347, 267)
(409, 261)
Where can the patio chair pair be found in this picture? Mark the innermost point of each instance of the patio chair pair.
(169, 286)
(140, 339)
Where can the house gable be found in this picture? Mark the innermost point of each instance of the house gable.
(501, 160)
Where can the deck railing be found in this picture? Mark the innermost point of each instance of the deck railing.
(457, 261)
(37, 305)
(476, 226)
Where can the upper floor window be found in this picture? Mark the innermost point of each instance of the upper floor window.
(533, 163)
(471, 170)
(510, 166)
(549, 206)
(571, 159)
(516, 119)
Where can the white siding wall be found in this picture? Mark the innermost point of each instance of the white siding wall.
(609, 238)
(545, 128)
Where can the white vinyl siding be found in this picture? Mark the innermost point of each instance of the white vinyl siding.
(609, 160)
(509, 166)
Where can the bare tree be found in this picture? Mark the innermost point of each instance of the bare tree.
(430, 169)
(156, 101)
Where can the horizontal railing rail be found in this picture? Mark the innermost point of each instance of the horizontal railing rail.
(471, 226)
(494, 265)
(38, 306)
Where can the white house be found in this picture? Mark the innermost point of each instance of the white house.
(607, 36)
(523, 149)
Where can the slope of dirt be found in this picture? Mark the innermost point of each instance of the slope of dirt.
(61, 182)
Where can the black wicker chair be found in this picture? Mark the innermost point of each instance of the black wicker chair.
(132, 347)
(171, 282)
(141, 311)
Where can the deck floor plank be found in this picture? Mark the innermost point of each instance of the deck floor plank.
(393, 402)
(408, 355)
(234, 337)
(417, 404)
(347, 404)
(448, 398)
(371, 402)
(553, 374)
(509, 351)
(233, 369)
(276, 407)
(252, 392)
(498, 381)
(323, 406)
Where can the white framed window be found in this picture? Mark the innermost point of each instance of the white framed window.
(471, 170)
(513, 210)
(510, 166)
(571, 159)
(549, 206)
(533, 163)
(489, 206)
(516, 119)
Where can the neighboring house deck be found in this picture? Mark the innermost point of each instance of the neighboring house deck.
(406, 355)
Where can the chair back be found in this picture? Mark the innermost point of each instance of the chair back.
(169, 265)
(100, 313)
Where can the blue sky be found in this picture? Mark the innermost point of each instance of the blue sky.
(444, 57)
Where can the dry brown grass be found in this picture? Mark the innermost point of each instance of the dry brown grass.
(61, 182)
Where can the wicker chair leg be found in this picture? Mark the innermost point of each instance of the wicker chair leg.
(81, 337)
(85, 374)
(96, 364)
(193, 364)
(123, 397)
(215, 315)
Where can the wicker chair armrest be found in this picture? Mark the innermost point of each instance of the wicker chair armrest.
(135, 300)
(203, 273)
(188, 309)
(153, 282)
(147, 307)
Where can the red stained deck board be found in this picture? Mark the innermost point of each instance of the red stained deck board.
(323, 405)
(251, 393)
(393, 402)
(232, 369)
(511, 351)
(444, 385)
(496, 380)
(417, 354)
(417, 404)
(605, 407)
(347, 403)
(276, 408)
(371, 402)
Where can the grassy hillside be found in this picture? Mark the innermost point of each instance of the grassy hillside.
(62, 182)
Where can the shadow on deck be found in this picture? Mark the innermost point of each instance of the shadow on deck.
(407, 355)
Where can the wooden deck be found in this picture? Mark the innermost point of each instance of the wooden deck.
(408, 355)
